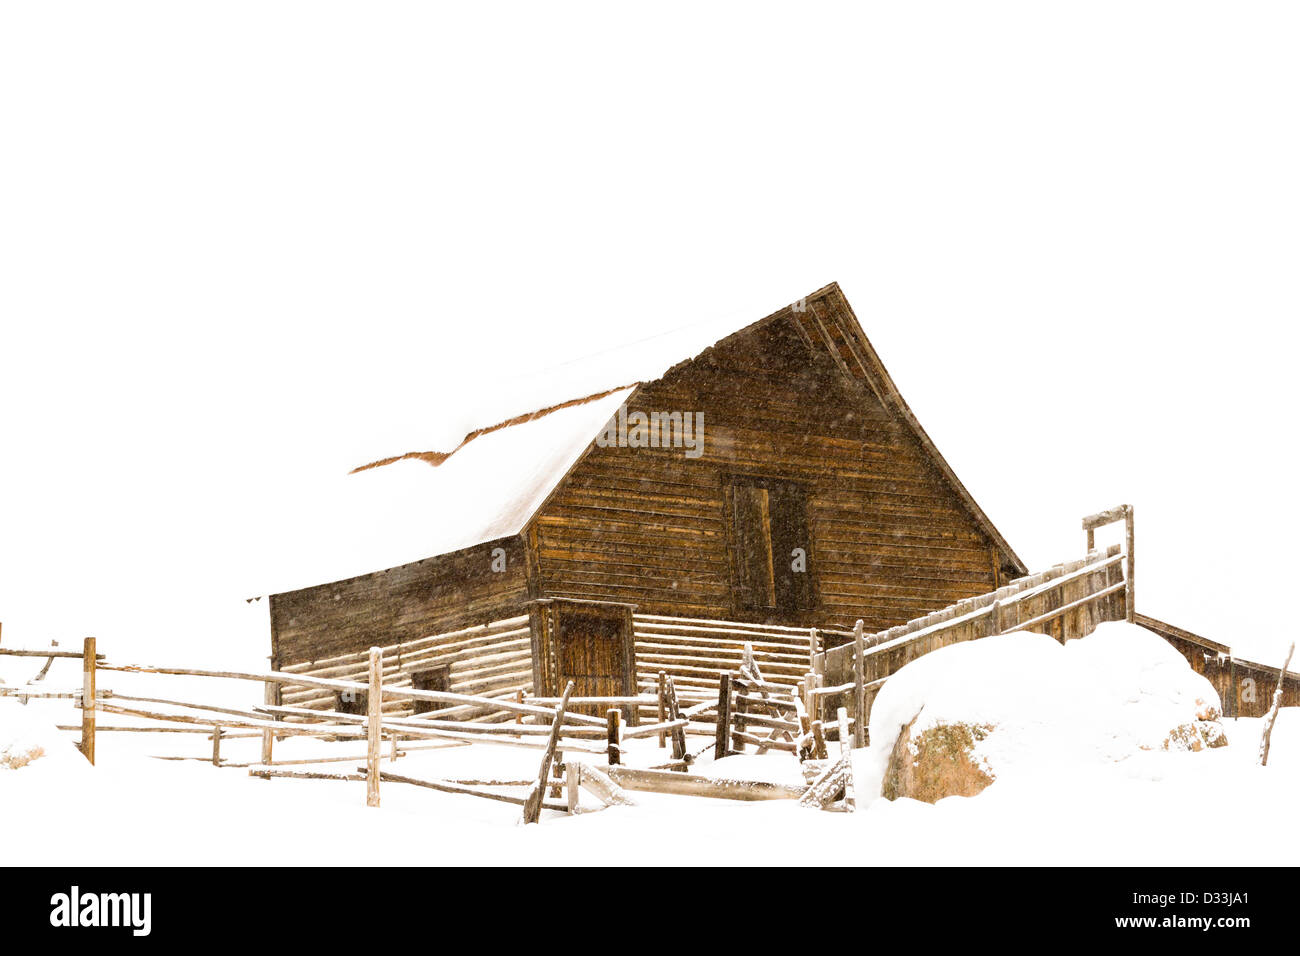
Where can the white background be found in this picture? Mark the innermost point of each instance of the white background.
(246, 246)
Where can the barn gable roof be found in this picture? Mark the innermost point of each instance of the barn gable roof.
(422, 504)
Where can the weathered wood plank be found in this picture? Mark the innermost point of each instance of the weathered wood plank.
(694, 785)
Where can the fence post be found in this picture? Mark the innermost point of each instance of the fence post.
(1271, 716)
(614, 733)
(813, 647)
(663, 737)
(572, 780)
(216, 745)
(557, 776)
(674, 712)
(724, 717)
(819, 741)
(995, 618)
(374, 704)
(533, 802)
(1129, 602)
(850, 800)
(88, 699)
(268, 735)
(859, 687)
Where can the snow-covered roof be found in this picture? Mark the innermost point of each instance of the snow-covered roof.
(387, 516)
(518, 445)
(639, 360)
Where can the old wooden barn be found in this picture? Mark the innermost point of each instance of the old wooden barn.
(776, 478)
(767, 485)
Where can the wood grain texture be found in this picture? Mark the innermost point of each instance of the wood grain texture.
(399, 604)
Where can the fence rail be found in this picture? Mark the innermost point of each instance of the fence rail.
(553, 728)
(1065, 602)
(489, 660)
(698, 651)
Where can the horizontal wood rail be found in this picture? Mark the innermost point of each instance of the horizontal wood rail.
(1001, 605)
(28, 652)
(692, 785)
(328, 683)
(1073, 605)
(1066, 601)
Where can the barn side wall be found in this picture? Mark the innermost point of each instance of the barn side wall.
(649, 526)
(411, 601)
(491, 659)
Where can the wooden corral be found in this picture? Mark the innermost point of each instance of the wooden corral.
(496, 659)
(811, 497)
(491, 659)
(1066, 602)
(1245, 687)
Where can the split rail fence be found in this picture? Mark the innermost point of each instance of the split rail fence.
(789, 683)
(548, 726)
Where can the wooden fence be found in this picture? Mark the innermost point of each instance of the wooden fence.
(698, 651)
(550, 726)
(489, 660)
(495, 660)
(1245, 687)
(1065, 602)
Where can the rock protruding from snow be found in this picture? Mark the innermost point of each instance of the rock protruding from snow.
(962, 717)
(940, 761)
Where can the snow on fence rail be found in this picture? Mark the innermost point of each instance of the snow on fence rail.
(274, 720)
(1065, 602)
(554, 729)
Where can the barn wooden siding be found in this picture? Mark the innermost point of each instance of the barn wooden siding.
(496, 659)
(696, 651)
(404, 603)
(890, 537)
(493, 659)
(1229, 675)
(1064, 602)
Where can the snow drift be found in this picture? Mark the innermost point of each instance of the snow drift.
(27, 737)
(956, 720)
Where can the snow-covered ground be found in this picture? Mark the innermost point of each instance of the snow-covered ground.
(1139, 807)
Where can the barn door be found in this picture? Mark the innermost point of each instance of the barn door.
(594, 651)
